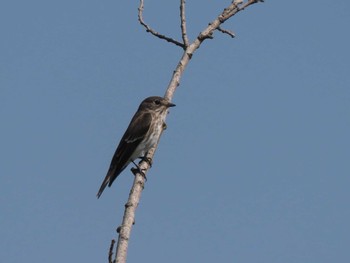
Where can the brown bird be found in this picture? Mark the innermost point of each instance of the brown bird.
(140, 136)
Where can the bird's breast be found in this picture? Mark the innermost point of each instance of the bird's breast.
(151, 137)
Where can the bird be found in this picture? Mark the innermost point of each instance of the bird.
(140, 136)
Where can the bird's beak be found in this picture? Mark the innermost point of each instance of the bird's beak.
(169, 104)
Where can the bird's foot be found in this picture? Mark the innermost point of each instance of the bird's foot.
(147, 160)
(138, 170)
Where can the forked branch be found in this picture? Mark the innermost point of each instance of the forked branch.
(152, 31)
(189, 49)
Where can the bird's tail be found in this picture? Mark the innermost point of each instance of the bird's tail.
(112, 174)
(103, 186)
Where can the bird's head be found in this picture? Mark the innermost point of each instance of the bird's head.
(155, 103)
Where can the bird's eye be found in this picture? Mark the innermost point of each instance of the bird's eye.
(157, 102)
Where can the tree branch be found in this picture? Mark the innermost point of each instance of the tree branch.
(189, 49)
(129, 217)
(225, 31)
(183, 23)
(110, 254)
(153, 32)
(207, 33)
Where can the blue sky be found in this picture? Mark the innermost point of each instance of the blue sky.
(254, 165)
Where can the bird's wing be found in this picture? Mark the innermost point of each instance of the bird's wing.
(132, 137)
(138, 127)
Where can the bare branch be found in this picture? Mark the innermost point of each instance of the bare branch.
(129, 215)
(183, 23)
(235, 7)
(110, 254)
(153, 32)
(189, 50)
(228, 32)
(250, 2)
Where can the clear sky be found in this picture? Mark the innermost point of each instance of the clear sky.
(255, 163)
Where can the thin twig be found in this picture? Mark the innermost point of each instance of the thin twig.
(250, 2)
(153, 32)
(110, 254)
(183, 23)
(228, 32)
